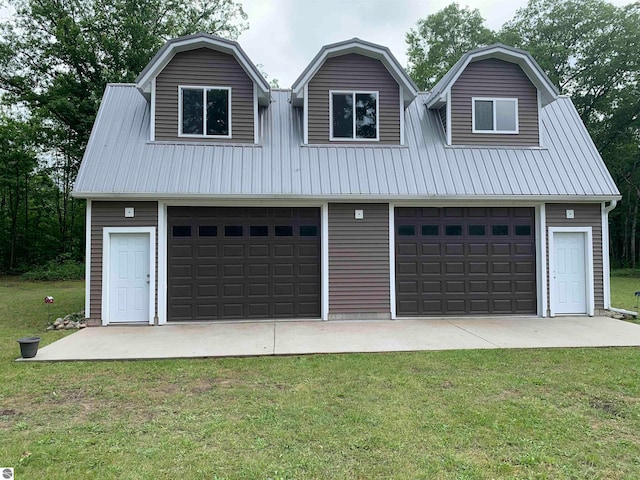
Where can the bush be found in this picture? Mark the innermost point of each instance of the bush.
(57, 270)
(626, 272)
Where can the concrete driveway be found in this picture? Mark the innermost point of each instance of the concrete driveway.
(293, 338)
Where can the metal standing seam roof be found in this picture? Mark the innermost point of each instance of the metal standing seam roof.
(121, 162)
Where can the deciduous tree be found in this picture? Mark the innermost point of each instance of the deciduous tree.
(440, 39)
(56, 58)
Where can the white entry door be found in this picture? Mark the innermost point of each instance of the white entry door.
(569, 275)
(129, 277)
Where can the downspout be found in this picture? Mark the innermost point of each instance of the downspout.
(605, 261)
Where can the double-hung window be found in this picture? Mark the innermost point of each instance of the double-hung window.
(353, 115)
(204, 112)
(495, 115)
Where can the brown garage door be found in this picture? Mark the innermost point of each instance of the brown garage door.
(235, 263)
(477, 261)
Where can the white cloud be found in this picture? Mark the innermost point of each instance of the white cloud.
(284, 35)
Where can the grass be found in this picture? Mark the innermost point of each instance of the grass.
(539, 414)
(623, 289)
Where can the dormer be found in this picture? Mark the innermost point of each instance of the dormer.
(353, 92)
(493, 96)
(203, 88)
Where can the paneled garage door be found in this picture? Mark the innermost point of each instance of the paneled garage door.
(454, 261)
(235, 263)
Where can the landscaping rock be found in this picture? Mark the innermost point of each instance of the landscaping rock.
(71, 321)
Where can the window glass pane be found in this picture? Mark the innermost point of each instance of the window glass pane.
(258, 230)
(192, 111)
(484, 115)
(406, 230)
(342, 105)
(453, 230)
(308, 230)
(429, 230)
(500, 230)
(366, 106)
(233, 230)
(476, 230)
(506, 115)
(523, 230)
(284, 231)
(217, 112)
(207, 231)
(181, 231)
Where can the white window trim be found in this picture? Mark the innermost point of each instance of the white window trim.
(204, 111)
(588, 246)
(354, 93)
(106, 254)
(495, 118)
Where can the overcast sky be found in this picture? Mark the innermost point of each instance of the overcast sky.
(285, 35)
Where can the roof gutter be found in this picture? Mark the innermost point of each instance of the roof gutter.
(347, 198)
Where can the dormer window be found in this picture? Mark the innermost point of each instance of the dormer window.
(495, 115)
(353, 115)
(204, 112)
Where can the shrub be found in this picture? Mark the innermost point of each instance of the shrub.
(57, 270)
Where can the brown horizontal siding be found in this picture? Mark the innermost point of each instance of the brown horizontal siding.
(494, 78)
(353, 72)
(204, 67)
(359, 259)
(585, 215)
(111, 214)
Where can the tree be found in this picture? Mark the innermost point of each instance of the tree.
(441, 39)
(18, 162)
(56, 58)
(589, 49)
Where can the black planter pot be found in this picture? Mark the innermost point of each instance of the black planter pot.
(29, 346)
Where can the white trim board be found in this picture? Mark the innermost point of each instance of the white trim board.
(106, 253)
(588, 235)
(324, 255)
(541, 252)
(162, 263)
(87, 263)
(392, 260)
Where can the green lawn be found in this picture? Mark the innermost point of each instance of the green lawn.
(544, 414)
(623, 291)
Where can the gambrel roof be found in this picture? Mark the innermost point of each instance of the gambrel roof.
(361, 47)
(201, 40)
(547, 90)
(121, 162)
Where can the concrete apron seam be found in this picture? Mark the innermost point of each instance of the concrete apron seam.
(450, 322)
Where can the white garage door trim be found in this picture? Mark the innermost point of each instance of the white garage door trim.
(106, 267)
(588, 259)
